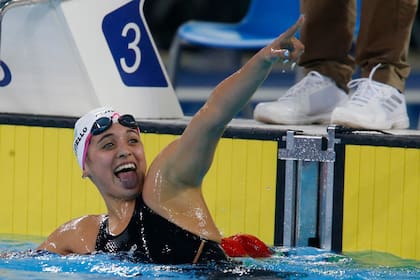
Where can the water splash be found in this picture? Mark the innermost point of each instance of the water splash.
(286, 263)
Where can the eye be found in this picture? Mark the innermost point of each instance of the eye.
(107, 145)
(133, 140)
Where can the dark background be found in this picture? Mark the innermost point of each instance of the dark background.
(165, 16)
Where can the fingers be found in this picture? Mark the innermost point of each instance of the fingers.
(284, 53)
(297, 49)
(286, 56)
(288, 52)
(288, 41)
(295, 28)
(286, 47)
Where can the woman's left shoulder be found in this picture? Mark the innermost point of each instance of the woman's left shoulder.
(89, 221)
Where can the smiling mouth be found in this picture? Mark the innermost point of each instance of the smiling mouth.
(128, 167)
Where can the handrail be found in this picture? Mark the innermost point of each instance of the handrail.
(6, 5)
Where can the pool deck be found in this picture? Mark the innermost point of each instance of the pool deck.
(201, 71)
(304, 129)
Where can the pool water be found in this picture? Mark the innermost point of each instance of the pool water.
(20, 262)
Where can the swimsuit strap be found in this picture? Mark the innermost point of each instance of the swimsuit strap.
(199, 251)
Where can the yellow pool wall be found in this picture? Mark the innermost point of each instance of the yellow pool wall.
(382, 200)
(42, 187)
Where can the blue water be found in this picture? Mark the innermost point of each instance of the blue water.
(287, 263)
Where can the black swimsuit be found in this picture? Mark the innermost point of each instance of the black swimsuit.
(153, 239)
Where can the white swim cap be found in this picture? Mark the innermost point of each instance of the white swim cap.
(82, 131)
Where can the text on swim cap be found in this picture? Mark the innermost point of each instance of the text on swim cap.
(100, 114)
(81, 134)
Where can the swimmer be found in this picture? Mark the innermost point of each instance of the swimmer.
(158, 215)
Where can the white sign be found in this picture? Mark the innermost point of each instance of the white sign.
(65, 58)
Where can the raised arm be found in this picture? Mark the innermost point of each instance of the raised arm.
(193, 152)
(230, 96)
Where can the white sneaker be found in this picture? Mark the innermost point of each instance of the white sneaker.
(309, 101)
(373, 105)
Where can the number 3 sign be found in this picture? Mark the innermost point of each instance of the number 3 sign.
(131, 47)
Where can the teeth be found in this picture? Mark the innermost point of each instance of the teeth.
(127, 166)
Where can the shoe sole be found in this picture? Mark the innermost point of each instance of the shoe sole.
(399, 124)
(319, 119)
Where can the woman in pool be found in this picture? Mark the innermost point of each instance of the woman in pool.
(160, 216)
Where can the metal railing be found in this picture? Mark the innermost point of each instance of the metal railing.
(6, 5)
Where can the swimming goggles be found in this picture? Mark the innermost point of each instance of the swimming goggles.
(104, 123)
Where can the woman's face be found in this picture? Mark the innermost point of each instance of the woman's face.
(116, 163)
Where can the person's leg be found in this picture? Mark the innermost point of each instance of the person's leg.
(381, 51)
(328, 35)
(384, 38)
